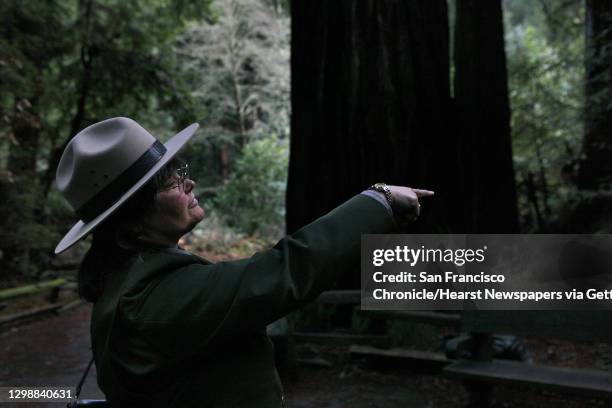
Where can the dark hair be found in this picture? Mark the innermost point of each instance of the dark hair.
(115, 241)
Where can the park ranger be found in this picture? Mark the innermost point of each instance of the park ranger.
(168, 328)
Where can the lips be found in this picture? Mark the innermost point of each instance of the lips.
(193, 202)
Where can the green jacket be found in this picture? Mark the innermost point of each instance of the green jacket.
(172, 330)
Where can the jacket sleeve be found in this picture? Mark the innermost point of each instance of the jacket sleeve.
(201, 303)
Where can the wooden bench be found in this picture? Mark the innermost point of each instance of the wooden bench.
(408, 358)
(341, 338)
(339, 297)
(481, 371)
(344, 298)
(376, 347)
(49, 289)
(414, 360)
(52, 286)
(353, 297)
(426, 317)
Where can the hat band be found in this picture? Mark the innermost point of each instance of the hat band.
(110, 194)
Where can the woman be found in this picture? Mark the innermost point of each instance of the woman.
(170, 329)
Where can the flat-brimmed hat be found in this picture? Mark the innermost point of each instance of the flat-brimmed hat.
(107, 163)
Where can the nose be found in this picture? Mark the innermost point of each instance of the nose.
(189, 185)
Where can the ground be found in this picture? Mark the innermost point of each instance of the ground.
(55, 351)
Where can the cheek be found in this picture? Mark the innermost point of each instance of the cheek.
(171, 207)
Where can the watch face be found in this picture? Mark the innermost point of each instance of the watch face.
(384, 189)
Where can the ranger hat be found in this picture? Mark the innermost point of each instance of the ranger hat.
(107, 163)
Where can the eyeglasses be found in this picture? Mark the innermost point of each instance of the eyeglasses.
(178, 180)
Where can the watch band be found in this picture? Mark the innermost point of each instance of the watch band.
(382, 188)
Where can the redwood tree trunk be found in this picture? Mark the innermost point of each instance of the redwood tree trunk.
(594, 175)
(595, 169)
(370, 102)
(481, 95)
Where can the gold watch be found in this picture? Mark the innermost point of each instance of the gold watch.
(382, 188)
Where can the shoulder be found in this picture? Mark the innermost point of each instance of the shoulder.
(166, 258)
(152, 265)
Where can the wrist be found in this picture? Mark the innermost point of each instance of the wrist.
(384, 190)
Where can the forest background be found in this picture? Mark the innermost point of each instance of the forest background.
(65, 64)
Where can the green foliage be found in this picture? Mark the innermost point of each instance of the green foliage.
(219, 242)
(545, 49)
(63, 65)
(253, 199)
(240, 66)
(238, 70)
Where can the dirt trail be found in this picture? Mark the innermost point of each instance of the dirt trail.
(56, 350)
(49, 352)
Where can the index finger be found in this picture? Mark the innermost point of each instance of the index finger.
(423, 193)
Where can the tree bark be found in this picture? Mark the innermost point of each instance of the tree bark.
(224, 160)
(370, 102)
(78, 120)
(20, 192)
(481, 95)
(26, 131)
(595, 168)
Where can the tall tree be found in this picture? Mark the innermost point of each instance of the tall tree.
(545, 46)
(594, 176)
(240, 62)
(370, 102)
(64, 65)
(481, 97)
(30, 39)
(596, 167)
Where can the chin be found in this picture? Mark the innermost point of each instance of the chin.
(198, 213)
